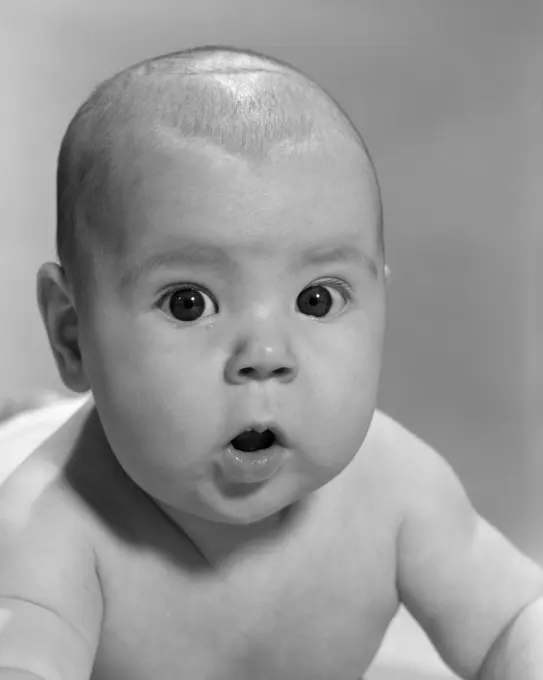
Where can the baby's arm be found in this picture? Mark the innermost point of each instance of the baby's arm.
(50, 599)
(38, 643)
(475, 594)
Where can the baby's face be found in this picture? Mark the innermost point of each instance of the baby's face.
(244, 317)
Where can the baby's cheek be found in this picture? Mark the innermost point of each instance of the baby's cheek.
(355, 354)
(350, 381)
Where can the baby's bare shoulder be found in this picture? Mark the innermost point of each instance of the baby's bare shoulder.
(40, 524)
(401, 463)
(396, 440)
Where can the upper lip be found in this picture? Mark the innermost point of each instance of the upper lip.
(261, 426)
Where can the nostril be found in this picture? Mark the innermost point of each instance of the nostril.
(250, 372)
(247, 371)
(282, 371)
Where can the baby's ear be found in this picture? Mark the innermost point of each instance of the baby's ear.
(387, 274)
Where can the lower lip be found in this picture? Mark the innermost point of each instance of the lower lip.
(251, 467)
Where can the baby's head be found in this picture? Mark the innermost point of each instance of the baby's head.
(219, 235)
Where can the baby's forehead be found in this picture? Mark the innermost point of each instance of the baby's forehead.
(246, 222)
(297, 181)
(198, 189)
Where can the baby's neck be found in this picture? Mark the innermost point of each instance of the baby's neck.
(221, 544)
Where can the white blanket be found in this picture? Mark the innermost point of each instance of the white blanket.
(24, 432)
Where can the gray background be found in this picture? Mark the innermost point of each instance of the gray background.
(448, 95)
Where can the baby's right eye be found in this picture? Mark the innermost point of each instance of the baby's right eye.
(188, 303)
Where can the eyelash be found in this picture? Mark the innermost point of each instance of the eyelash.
(342, 286)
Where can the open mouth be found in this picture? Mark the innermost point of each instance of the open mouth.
(255, 455)
(252, 440)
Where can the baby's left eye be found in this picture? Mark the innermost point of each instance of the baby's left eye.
(316, 300)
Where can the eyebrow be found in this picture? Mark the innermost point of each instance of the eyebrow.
(344, 253)
(214, 257)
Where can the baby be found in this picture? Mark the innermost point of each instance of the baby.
(230, 505)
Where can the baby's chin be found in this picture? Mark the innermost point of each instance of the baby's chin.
(234, 503)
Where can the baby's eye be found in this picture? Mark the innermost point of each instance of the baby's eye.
(189, 304)
(316, 300)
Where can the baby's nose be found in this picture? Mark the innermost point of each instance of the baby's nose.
(262, 365)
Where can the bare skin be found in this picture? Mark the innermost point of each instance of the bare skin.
(311, 599)
(127, 551)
